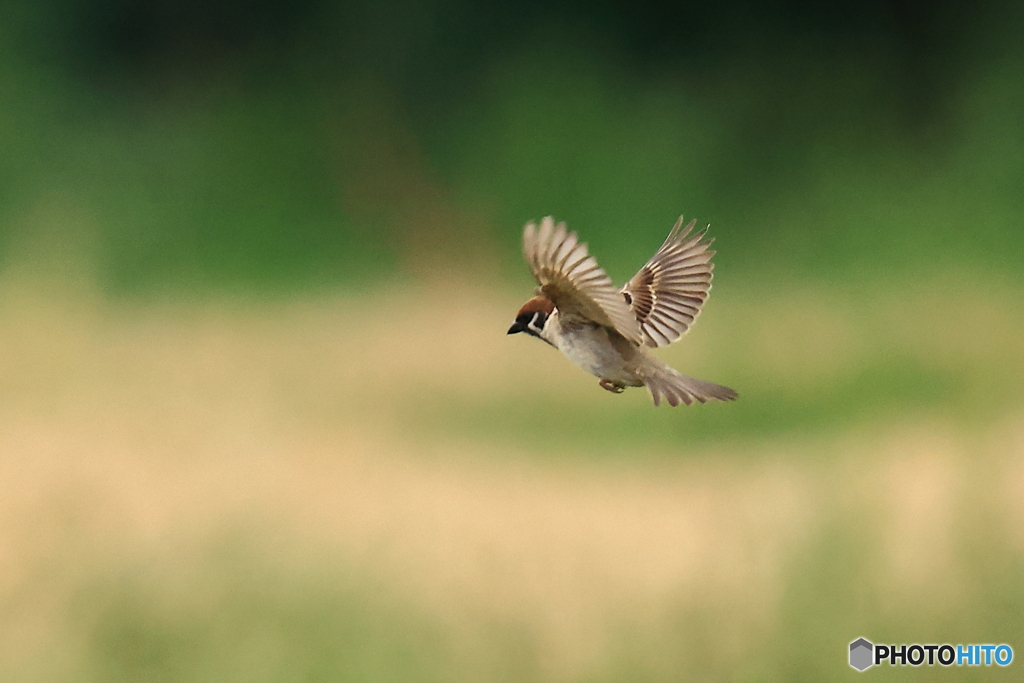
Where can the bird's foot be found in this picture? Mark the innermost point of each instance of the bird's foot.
(611, 386)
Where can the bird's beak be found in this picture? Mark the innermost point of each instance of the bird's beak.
(516, 327)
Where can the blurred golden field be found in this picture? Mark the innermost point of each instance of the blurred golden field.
(386, 487)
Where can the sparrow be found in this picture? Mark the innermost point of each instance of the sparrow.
(607, 331)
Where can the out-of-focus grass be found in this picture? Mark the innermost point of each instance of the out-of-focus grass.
(233, 491)
(871, 394)
(806, 366)
(232, 618)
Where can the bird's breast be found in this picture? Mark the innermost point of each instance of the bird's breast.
(589, 346)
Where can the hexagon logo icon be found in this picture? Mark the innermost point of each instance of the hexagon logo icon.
(861, 651)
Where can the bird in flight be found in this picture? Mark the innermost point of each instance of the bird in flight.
(607, 331)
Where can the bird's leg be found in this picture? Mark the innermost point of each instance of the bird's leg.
(611, 386)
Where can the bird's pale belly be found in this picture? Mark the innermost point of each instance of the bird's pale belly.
(589, 348)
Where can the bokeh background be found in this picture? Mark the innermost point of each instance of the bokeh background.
(260, 420)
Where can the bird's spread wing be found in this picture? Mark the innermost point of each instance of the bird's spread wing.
(666, 295)
(573, 281)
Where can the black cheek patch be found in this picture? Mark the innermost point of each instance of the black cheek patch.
(537, 324)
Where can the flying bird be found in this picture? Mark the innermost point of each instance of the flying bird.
(607, 331)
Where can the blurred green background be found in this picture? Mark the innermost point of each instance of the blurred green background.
(259, 419)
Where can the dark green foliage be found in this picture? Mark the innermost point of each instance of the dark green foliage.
(281, 144)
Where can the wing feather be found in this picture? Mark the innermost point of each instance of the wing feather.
(573, 281)
(667, 294)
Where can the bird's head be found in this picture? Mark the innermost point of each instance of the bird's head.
(532, 316)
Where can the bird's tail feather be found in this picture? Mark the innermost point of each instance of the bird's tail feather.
(678, 388)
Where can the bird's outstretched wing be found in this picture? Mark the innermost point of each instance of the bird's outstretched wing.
(666, 295)
(573, 281)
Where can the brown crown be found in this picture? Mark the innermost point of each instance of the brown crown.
(537, 303)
